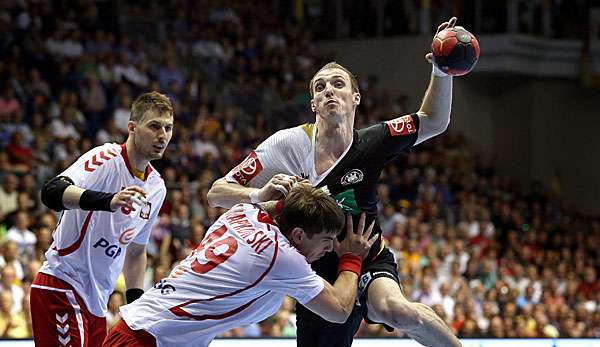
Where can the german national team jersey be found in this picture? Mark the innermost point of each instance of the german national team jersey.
(89, 247)
(352, 179)
(239, 274)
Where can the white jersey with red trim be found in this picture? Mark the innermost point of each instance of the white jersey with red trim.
(238, 275)
(89, 247)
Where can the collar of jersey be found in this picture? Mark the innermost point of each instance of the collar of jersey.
(142, 175)
(313, 146)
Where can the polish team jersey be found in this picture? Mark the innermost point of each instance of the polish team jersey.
(239, 274)
(88, 248)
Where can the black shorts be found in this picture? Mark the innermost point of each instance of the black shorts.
(314, 331)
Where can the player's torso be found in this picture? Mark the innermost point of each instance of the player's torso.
(89, 247)
(352, 177)
(217, 287)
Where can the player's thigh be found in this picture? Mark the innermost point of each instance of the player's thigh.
(387, 304)
(96, 332)
(57, 318)
(122, 336)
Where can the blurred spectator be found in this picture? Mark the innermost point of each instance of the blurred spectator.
(8, 195)
(21, 234)
(8, 283)
(10, 257)
(115, 301)
(13, 324)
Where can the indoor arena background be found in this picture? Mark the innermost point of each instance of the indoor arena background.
(495, 221)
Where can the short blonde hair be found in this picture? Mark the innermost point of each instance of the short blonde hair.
(311, 209)
(335, 65)
(153, 101)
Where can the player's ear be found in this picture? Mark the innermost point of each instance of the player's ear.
(297, 235)
(312, 105)
(356, 99)
(130, 126)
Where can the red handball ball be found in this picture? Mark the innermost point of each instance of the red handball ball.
(455, 51)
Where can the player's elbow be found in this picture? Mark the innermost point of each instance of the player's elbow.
(340, 317)
(433, 124)
(341, 313)
(213, 195)
(53, 190)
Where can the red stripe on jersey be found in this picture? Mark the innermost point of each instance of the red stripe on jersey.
(104, 156)
(178, 309)
(264, 217)
(72, 248)
(96, 162)
(87, 167)
(180, 312)
(112, 152)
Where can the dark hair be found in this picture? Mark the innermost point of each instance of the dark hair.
(153, 101)
(335, 65)
(310, 209)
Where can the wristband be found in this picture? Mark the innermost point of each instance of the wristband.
(133, 294)
(350, 262)
(91, 200)
(254, 196)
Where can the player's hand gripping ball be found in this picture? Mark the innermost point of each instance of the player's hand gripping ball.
(455, 51)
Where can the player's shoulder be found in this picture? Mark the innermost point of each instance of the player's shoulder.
(292, 137)
(155, 175)
(289, 257)
(108, 150)
(99, 156)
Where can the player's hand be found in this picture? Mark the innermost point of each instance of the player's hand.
(357, 242)
(277, 187)
(449, 24)
(131, 197)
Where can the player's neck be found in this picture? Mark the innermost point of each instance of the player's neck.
(136, 161)
(334, 137)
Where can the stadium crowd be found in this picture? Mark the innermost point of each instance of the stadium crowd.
(493, 259)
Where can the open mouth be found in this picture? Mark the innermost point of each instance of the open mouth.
(159, 147)
(331, 102)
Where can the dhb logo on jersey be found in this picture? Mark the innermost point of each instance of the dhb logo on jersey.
(401, 126)
(165, 287)
(248, 169)
(352, 177)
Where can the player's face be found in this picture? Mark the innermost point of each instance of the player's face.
(152, 134)
(333, 97)
(316, 247)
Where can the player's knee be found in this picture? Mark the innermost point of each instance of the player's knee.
(401, 314)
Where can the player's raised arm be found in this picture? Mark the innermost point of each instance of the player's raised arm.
(435, 109)
(335, 303)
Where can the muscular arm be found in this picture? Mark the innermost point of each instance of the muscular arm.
(61, 193)
(135, 265)
(226, 194)
(335, 303)
(434, 113)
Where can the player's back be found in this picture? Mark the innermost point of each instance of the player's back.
(224, 283)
